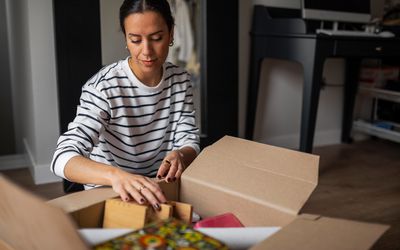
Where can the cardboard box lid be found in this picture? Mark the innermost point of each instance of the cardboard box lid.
(27, 222)
(278, 178)
(76, 201)
(79, 200)
(316, 232)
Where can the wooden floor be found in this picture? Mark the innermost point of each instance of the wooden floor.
(359, 181)
(24, 179)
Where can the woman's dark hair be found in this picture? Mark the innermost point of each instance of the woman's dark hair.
(139, 6)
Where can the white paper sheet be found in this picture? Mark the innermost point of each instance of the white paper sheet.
(95, 236)
(233, 237)
(240, 237)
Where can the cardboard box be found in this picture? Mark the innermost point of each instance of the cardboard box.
(262, 185)
(267, 186)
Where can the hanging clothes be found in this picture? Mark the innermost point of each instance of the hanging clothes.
(182, 49)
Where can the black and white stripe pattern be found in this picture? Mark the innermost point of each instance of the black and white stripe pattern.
(124, 123)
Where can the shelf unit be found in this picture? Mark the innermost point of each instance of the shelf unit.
(380, 94)
(373, 128)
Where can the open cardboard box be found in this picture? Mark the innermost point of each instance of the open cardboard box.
(262, 185)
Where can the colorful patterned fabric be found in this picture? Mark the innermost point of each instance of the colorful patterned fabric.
(170, 234)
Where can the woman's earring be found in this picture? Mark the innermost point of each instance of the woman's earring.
(171, 43)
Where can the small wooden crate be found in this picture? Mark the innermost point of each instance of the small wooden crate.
(121, 214)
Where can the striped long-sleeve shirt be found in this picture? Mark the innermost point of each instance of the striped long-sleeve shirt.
(124, 123)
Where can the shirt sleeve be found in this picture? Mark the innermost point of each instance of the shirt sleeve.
(187, 133)
(93, 114)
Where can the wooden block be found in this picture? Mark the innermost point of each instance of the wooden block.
(121, 214)
(182, 211)
(164, 214)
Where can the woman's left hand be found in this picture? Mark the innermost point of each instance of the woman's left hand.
(172, 166)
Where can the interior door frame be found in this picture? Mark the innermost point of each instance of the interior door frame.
(219, 70)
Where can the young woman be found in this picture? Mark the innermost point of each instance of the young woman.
(135, 119)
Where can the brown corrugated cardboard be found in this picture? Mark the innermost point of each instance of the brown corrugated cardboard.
(76, 201)
(267, 186)
(87, 208)
(316, 232)
(29, 223)
(262, 185)
(235, 175)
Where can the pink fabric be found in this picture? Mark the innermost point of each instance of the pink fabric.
(223, 220)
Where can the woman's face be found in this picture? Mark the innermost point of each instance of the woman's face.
(147, 39)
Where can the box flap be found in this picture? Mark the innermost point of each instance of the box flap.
(83, 199)
(274, 177)
(27, 222)
(79, 200)
(315, 232)
(170, 189)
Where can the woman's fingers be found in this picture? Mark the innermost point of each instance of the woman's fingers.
(155, 190)
(179, 171)
(151, 198)
(172, 170)
(164, 168)
(139, 188)
(172, 166)
(135, 194)
(145, 190)
(123, 194)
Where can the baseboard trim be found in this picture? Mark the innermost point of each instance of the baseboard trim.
(41, 173)
(16, 161)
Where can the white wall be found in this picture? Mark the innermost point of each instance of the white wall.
(112, 38)
(17, 17)
(17, 160)
(33, 75)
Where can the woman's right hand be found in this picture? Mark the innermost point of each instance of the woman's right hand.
(129, 186)
(142, 189)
